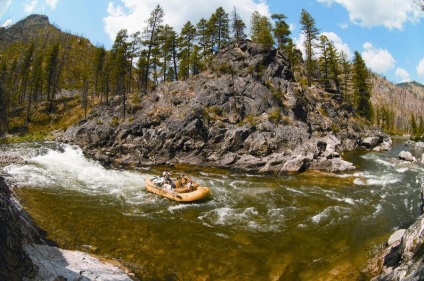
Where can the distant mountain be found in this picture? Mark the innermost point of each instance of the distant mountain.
(32, 28)
(401, 100)
(410, 84)
(37, 30)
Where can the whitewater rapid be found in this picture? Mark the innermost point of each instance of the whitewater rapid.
(250, 202)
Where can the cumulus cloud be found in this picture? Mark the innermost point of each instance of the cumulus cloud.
(378, 60)
(333, 37)
(52, 4)
(7, 23)
(420, 68)
(338, 43)
(29, 6)
(132, 14)
(392, 14)
(403, 74)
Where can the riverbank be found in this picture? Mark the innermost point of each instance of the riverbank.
(24, 253)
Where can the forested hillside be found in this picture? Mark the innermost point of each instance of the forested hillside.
(398, 109)
(42, 67)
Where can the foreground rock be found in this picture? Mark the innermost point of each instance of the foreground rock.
(245, 113)
(406, 156)
(22, 259)
(15, 264)
(403, 259)
(57, 264)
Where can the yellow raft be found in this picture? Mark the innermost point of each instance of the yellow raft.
(180, 193)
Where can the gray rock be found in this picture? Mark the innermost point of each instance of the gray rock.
(406, 156)
(246, 112)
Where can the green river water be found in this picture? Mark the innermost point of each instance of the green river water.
(309, 226)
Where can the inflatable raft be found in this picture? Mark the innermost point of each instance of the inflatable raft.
(180, 193)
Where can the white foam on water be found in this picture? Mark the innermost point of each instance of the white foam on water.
(68, 168)
(332, 212)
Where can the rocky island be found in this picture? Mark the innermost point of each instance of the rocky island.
(246, 112)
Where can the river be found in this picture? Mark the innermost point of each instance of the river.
(309, 226)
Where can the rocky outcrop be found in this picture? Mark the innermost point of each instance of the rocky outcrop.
(15, 263)
(403, 258)
(24, 255)
(246, 113)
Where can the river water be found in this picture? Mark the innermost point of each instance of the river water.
(309, 226)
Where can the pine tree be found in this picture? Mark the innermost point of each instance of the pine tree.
(362, 89)
(324, 61)
(219, 25)
(261, 30)
(150, 34)
(53, 73)
(414, 127)
(187, 36)
(168, 45)
(333, 65)
(237, 26)
(281, 30)
(346, 70)
(4, 101)
(120, 65)
(99, 67)
(311, 35)
(204, 39)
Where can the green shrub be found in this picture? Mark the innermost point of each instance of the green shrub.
(275, 116)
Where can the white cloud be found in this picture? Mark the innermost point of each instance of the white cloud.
(338, 43)
(420, 68)
(392, 14)
(29, 6)
(52, 3)
(7, 23)
(378, 60)
(132, 14)
(333, 37)
(403, 74)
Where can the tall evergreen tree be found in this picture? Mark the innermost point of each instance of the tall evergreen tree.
(414, 127)
(99, 66)
(4, 101)
(346, 70)
(237, 26)
(120, 65)
(187, 36)
(168, 39)
(53, 74)
(261, 30)
(324, 61)
(281, 30)
(361, 86)
(25, 72)
(204, 39)
(310, 31)
(219, 25)
(334, 67)
(150, 34)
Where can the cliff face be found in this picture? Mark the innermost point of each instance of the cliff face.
(15, 263)
(246, 113)
(403, 258)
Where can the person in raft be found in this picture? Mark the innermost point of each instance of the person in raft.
(168, 182)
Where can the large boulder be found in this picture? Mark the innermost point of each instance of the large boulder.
(406, 156)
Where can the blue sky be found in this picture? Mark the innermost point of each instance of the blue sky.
(388, 33)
